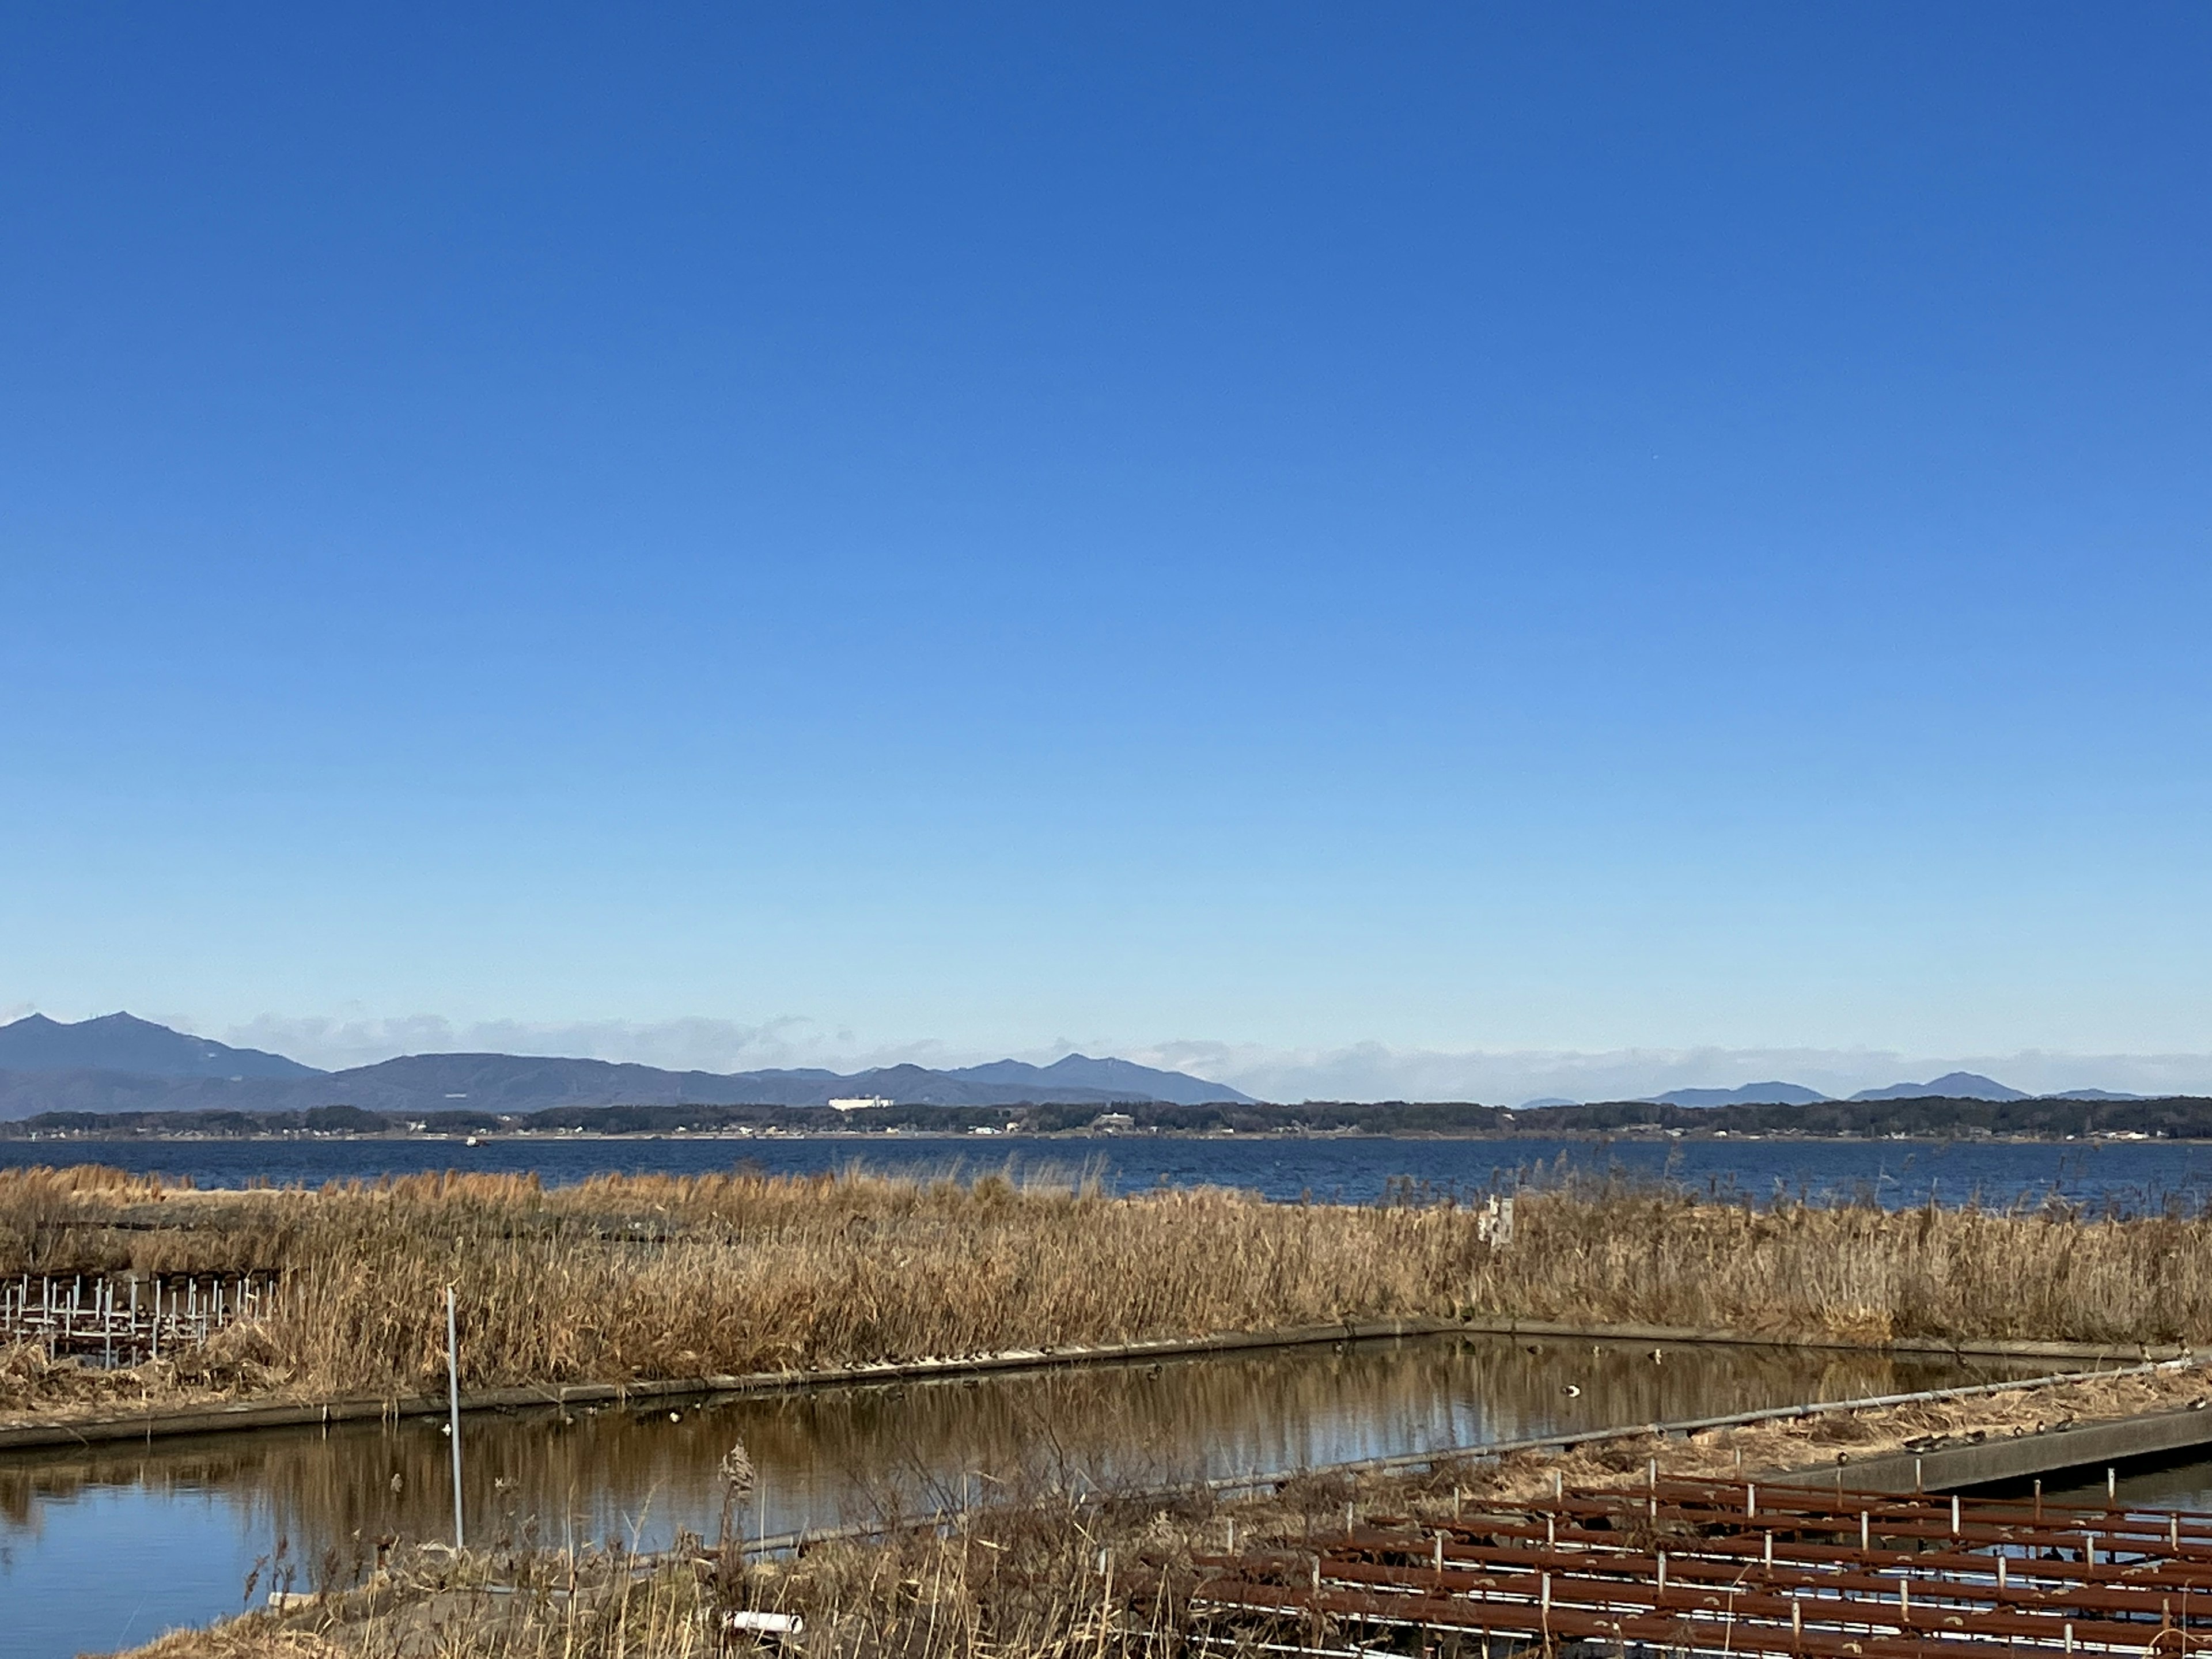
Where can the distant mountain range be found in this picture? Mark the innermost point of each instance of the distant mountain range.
(1751, 1094)
(119, 1063)
(1952, 1085)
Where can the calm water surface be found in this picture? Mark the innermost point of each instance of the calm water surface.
(2171, 1487)
(2135, 1174)
(169, 1531)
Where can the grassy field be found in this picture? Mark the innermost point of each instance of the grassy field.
(655, 1277)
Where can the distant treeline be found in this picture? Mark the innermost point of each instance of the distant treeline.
(2177, 1117)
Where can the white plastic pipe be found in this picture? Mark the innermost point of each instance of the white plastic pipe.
(453, 1414)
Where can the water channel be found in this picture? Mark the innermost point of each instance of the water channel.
(106, 1546)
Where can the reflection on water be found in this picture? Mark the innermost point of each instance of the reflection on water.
(2166, 1486)
(183, 1521)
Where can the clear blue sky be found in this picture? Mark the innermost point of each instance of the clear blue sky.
(1460, 528)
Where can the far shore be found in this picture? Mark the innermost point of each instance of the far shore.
(969, 1137)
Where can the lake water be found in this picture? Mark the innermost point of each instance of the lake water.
(104, 1546)
(2135, 1174)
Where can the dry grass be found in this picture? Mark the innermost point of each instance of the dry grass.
(1857, 1273)
(622, 1278)
(628, 1278)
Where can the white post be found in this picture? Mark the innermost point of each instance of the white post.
(453, 1414)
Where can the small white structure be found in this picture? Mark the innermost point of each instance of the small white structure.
(1113, 1123)
(861, 1103)
(764, 1623)
(1493, 1223)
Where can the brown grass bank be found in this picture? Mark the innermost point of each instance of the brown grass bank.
(622, 1278)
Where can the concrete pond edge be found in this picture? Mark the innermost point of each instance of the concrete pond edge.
(2063, 1449)
(225, 1418)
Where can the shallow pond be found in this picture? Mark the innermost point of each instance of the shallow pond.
(106, 1547)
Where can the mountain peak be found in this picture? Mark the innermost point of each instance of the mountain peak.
(123, 1042)
(1771, 1093)
(1952, 1085)
(1124, 1078)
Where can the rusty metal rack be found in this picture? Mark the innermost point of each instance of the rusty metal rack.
(1732, 1568)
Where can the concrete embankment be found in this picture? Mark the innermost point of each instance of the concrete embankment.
(2091, 1353)
(1995, 1461)
(221, 1416)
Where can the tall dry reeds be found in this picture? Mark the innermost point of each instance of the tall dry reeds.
(1855, 1272)
(625, 1278)
(656, 1277)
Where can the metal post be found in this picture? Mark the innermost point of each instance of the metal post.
(453, 1414)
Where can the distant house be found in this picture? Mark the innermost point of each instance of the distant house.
(861, 1103)
(1113, 1123)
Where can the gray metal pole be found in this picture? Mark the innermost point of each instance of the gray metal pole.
(453, 1414)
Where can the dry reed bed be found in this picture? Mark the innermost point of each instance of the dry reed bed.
(620, 1278)
(625, 1278)
(1022, 1580)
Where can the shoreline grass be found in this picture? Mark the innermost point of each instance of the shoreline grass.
(625, 1278)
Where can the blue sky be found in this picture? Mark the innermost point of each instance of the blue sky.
(1288, 532)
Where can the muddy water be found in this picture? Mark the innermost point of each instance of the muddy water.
(102, 1547)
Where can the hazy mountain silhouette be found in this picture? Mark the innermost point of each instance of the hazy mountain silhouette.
(122, 1043)
(121, 1064)
(1122, 1078)
(1750, 1094)
(1952, 1085)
